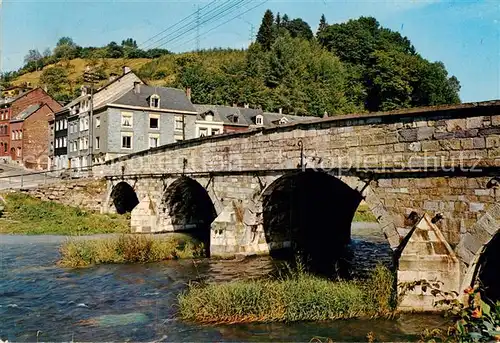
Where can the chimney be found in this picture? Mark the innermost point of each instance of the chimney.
(246, 106)
(137, 87)
(235, 104)
(325, 115)
(280, 111)
(188, 93)
(126, 70)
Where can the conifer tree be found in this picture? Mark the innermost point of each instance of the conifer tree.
(265, 36)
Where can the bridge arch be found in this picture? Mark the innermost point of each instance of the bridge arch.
(123, 197)
(310, 213)
(186, 206)
(482, 264)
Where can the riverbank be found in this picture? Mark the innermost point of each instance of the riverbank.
(27, 215)
(77, 253)
(298, 297)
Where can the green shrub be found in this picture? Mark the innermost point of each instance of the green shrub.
(298, 297)
(128, 249)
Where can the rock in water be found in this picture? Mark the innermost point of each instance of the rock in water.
(110, 320)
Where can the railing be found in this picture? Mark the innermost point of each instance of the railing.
(28, 179)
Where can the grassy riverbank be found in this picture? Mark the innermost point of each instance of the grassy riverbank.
(32, 216)
(300, 297)
(363, 214)
(128, 249)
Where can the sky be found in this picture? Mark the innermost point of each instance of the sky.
(465, 35)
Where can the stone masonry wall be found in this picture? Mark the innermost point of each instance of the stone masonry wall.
(86, 193)
(467, 136)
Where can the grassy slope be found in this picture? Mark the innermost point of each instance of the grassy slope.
(168, 64)
(77, 66)
(28, 215)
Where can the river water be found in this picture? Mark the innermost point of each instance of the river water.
(138, 302)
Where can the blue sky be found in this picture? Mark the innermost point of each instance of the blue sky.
(465, 35)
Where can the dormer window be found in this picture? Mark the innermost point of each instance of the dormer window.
(154, 101)
(209, 117)
(235, 118)
(283, 121)
(259, 120)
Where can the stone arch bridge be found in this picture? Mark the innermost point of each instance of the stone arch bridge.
(429, 175)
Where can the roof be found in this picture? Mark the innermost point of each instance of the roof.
(170, 98)
(246, 116)
(27, 112)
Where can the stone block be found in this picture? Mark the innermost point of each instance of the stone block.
(424, 133)
(478, 142)
(476, 207)
(430, 146)
(408, 135)
(474, 122)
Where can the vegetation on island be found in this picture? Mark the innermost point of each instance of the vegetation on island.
(129, 249)
(24, 214)
(355, 66)
(298, 297)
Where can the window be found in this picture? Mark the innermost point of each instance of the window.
(235, 118)
(283, 121)
(20, 134)
(57, 125)
(259, 120)
(155, 101)
(97, 143)
(5, 148)
(65, 124)
(154, 122)
(97, 121)
(126, 141)
(215, 131)
(18, 152)
(179, 125)
(154, 140)
(64, 142)
(85, 143)
(80, 143)
(127, 119)
(86, 123)
(203, 132)
(81, 124)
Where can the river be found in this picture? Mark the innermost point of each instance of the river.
(138, 302)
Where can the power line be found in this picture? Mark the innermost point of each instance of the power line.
(198, 29)
(224, 23)
(190, 23)
(174, 25)
(219, 15)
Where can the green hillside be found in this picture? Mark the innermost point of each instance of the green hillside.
(356, 66)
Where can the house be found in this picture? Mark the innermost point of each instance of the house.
(13, 91)
(215, 119)
(72, 124)
(144, 117)
(10, 108)
(29, 128)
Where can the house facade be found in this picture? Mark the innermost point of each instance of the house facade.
(80, 123)
(144, 117)
(29, 128)
(10, 109)
(215, 119)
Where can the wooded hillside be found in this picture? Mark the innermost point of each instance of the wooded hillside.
(356, 66)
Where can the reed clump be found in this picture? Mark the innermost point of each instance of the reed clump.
(128, 249)
(298, 297)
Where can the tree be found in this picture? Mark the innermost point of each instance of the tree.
(32, 56)
(278, 20)
(299, 28)
(130, 43)
(47, 52)
(266, 34)
(55, 79)
(322, 26)
(114, 50)
(66, 49)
